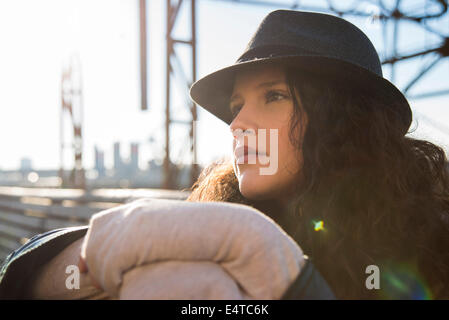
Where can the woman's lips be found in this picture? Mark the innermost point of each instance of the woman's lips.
(242, 155)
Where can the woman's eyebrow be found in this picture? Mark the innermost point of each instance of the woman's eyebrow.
(270, 83)
(261, 85)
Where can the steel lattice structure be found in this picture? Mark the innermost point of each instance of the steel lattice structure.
(72, 106)
(395, 13)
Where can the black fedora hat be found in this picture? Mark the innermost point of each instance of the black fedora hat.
(321, 43)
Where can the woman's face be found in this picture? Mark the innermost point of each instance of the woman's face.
(261, 100)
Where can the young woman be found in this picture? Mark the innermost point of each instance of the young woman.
(331, 165)
(351, 188)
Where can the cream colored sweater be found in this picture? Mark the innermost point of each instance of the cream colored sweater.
(171, 249)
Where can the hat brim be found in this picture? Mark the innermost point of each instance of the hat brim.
(213, 91)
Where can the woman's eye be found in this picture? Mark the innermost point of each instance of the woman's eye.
(274, 96)
(270, 96)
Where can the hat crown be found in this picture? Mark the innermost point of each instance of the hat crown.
(288, 32)
(326, 45)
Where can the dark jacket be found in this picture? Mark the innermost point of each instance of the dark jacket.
(21, 265)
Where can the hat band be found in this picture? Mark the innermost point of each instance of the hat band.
(272, 51)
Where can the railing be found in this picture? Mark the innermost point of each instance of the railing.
(25, 212)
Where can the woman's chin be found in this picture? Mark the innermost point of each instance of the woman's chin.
(252, 185)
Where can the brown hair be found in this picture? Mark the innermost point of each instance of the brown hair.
(383, 197)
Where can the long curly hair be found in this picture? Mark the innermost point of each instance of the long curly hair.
(378, 196)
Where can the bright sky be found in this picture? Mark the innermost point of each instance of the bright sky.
(38, 37)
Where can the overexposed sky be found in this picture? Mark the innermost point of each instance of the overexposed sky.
(38, 37)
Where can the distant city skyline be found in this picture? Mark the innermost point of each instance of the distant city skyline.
(119, 161)
(124, 173)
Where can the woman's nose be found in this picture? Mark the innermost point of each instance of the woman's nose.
(244, 121)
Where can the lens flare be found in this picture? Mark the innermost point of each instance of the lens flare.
(318, 226)
(403, 282)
